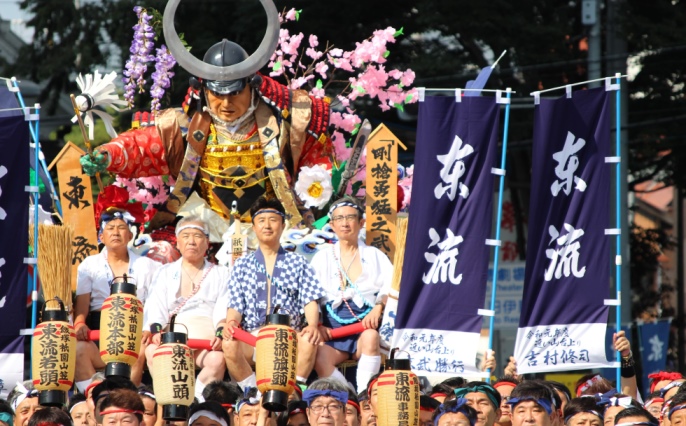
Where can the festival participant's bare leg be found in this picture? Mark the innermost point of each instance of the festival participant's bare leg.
(149, 351)
(138, 367)
(238, 357)
(307, 353)
(326, 361)
(369, 356)
(87, 360)
(212, 367)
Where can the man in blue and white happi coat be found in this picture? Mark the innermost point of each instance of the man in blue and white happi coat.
(264, 279)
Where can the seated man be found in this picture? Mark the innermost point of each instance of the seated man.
(95, 274)
(357, 279)
(195, 291)
(263, 280)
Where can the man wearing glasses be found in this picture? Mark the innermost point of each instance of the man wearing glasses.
(326, 400)
(357, 279)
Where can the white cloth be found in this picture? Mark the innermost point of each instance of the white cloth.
(373, 283)
(207, 306)
(94, 277)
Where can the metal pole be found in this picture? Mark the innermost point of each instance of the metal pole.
(496, 254)
(680, 274)
(591, 16)
(618, 222)
(34, 135)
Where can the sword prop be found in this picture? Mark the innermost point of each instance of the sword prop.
(351, 165)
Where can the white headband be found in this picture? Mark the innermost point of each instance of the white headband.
(190, 226)
(23, 394)
(205, 413)
(76, 405)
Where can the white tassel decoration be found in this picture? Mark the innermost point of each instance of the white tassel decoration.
(97, 91)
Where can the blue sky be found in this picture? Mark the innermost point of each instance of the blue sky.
(10, 11)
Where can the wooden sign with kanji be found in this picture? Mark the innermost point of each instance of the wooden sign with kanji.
(76, 196)
(382, 190)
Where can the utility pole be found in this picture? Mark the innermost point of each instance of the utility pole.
(616, 47)
(590, 16)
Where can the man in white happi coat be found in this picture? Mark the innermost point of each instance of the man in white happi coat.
(194, 290)
(357, 279)
(94, 277)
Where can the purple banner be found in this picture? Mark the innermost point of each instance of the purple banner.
(14, 216)
(446, 261)
(563, 319)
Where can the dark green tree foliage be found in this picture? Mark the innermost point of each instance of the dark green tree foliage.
(657, 110)
(445, 43)
(66, 41)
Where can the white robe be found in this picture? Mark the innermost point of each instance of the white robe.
(201, 313)
(94, 276)
(373, 283)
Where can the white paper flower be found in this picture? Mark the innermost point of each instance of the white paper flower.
(314, 186)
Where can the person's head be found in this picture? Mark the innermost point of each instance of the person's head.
(268, 220)
(373, 391)
(562, 391)
(615, 405)
(592, 384)
(646, 309)
(662, 378)
(346, 218)
(51, 416)
(96, 379)
(654, 403)
(224, 393)
(669, 390)
(208, 413)
(80, 412)
(227, 100)
(443, 392)
(115, 231)
(150, 404)
(531, 404)
(24, 401)
(102, 389)
(295, 415)
(484, 399)
(122, 407)
(353, 412)
(427, 406)
(455, 412)
(326, 400)
(192, 238)
(6, 413)
(583, 412)
(635, 415)
(247, 408)
(368, 417)
(677, 410)
(504, 386)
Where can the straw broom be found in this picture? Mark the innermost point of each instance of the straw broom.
(54, 261)
(400, 237)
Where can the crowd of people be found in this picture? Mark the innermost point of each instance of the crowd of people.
(345, 283)
(509, 401)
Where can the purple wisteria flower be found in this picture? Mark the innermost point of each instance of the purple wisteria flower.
(161, 78)
(141, 48)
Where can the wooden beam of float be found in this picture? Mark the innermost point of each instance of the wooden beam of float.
(76, 196)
